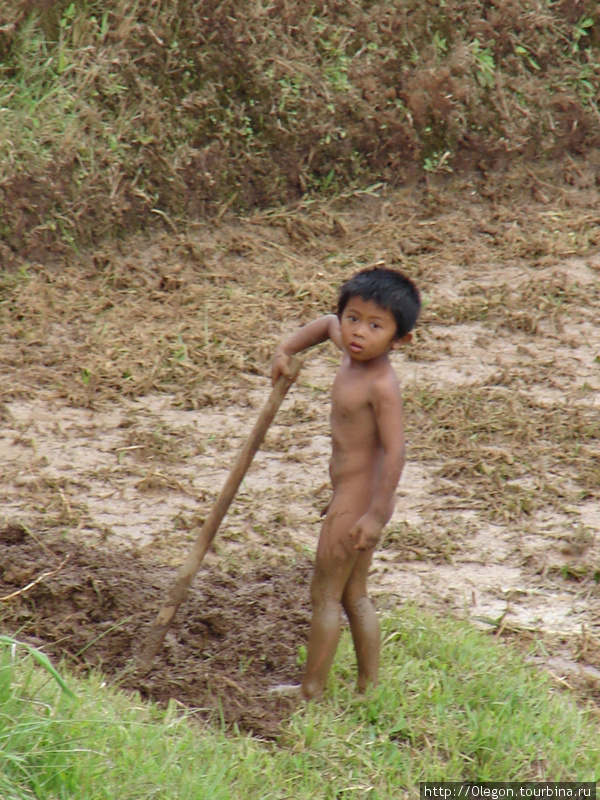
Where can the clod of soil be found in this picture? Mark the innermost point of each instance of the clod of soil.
(234, 637)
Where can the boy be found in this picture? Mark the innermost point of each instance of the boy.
(377, 309)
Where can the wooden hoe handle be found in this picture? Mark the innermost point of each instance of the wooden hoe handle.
(190, 566)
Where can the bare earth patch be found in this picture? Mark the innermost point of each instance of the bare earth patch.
(131, 380)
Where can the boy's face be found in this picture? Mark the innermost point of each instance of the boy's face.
(368, 331)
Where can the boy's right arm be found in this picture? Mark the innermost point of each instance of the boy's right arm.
(315, 332)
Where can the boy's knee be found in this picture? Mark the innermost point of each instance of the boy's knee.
(317, 595)
(353, 602)
(322, 593)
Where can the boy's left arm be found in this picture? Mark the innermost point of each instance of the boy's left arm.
(387, 408)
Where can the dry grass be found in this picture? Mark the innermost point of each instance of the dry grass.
(509, 454)
(189, 311)
(119, 116)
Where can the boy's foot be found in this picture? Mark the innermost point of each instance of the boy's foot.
(287, 690)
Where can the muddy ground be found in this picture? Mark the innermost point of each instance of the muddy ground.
(131, 378)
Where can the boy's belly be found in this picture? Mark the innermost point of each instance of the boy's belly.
(352, 465)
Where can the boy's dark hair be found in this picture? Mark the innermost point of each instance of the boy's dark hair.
(387, 288)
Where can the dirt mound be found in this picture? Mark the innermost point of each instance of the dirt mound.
(163, 113)
(236, 635)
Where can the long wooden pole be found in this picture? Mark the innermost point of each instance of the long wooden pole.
(188, 570)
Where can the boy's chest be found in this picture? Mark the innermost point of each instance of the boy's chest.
(350, 398)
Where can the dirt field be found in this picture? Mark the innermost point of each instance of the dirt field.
(130, 380)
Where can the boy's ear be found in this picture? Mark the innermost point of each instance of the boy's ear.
(397, 344)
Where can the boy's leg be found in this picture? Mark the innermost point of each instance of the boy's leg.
(363, 622)
(334, 563)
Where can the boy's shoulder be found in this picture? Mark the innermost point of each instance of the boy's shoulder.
(334, 330)
(385, 381)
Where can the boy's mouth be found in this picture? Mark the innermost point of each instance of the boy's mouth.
(355, 347)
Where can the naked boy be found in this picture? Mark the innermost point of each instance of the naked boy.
(377, 309)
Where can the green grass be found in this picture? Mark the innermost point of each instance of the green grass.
(453, 704)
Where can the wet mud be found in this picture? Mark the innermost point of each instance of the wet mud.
(235, 637)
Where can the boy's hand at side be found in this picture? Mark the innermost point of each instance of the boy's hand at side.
(366, 533)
